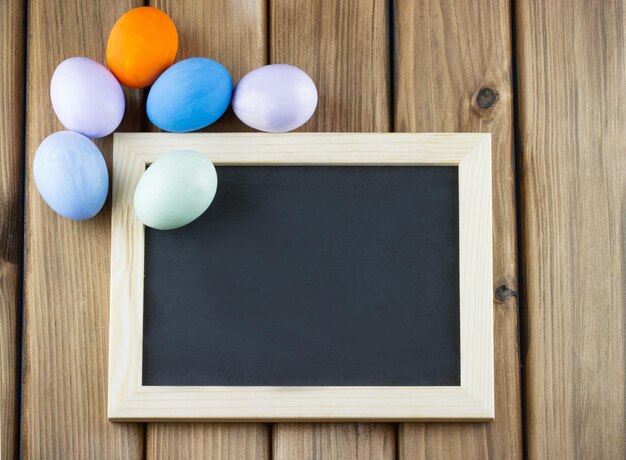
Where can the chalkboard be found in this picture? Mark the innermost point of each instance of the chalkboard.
(335, 276)
(309, 276)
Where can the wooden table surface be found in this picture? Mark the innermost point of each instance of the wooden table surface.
(547, 78)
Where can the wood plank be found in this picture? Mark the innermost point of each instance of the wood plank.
(67, 263)
(453, 73)
(572, 78)
(11, 129)
(233, 33)
(334, 440)
(342, 45)
(208, 441)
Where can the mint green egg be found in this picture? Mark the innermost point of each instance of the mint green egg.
(175, 190)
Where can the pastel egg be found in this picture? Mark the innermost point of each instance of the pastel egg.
(275, 98)
(71, 175)
(142, 44)
(86, 97)
(190, 95)
(175, 190)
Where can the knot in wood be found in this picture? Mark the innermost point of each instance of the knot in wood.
(503, 293)
(486, 97)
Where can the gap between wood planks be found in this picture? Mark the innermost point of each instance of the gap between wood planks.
(521, 325)
(20, 300)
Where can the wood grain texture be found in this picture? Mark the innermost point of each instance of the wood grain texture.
(334, 440)
(343, 46)
(453, 73)
(175, 441)
(309, 148)
(572, 78)
(67, 263)
(234, 33)
(11, 129)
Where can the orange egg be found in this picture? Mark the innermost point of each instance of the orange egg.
(142, 44)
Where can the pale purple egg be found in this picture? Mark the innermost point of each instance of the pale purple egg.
(86, 97)
(275, 98)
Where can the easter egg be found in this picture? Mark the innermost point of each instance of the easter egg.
(175, 190)
(275, 98)
(142, 44)
(189, 95)
(86, 97)
(71, 175)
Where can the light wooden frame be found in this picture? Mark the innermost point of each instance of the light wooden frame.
(472, 400)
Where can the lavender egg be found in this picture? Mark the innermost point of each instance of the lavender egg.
(71, 175)
(275, 98)
(86, 97)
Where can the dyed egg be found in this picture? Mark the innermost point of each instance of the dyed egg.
(142, 44)
(86, 97)
(71, 175)
(175, 190)
(189, 95)
(275, 98)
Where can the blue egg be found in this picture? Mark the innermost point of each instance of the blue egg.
(189, 95)
(71, 175)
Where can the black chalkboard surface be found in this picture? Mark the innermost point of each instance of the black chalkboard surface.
(309, 275)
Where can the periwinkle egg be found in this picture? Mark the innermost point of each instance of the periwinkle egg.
(275, 98)
(175, 190)
(71, 175)
(190, 95)
(86, 97)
